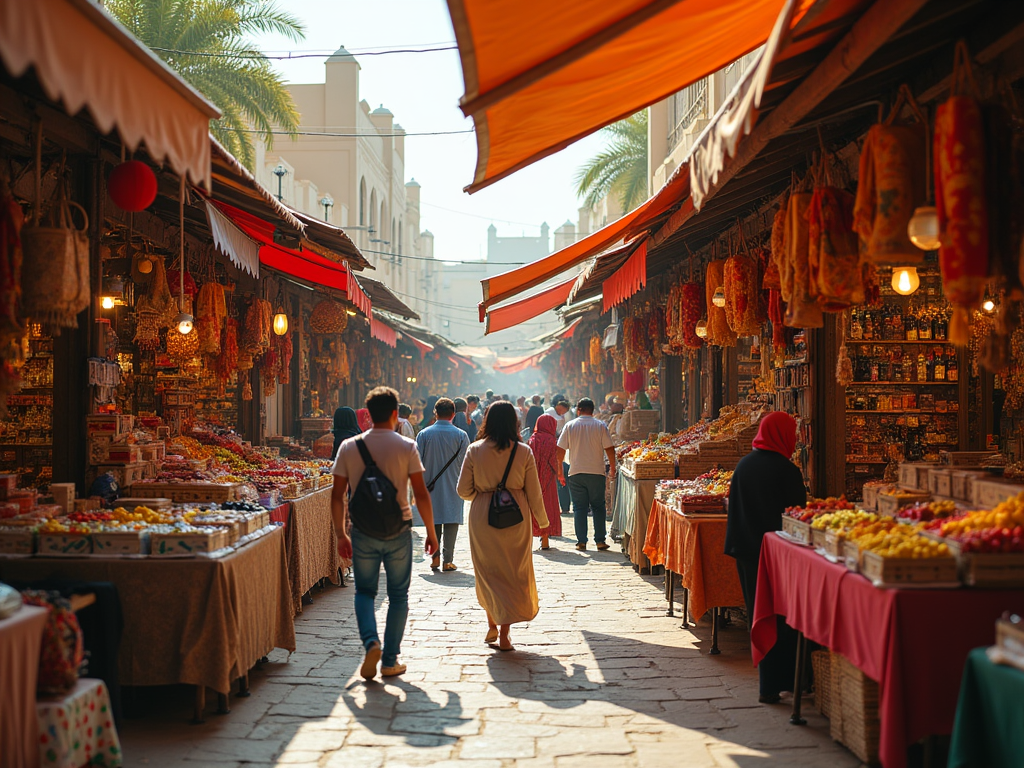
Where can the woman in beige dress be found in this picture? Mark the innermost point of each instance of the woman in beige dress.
(502, 558)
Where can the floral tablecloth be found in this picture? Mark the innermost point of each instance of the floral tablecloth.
(78, 729)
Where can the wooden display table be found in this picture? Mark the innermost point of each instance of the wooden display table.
(633, 499)
(200, 621)
(77, 729)
(312, 544)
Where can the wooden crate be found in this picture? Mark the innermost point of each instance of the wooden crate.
(914, 475)
(153, 451)
(64, 544)
(198, 492)
(112, 425)
(962, 483)
(1010, 639)
(653, 470)
(834, 544)
(851, 556)
(122, 453)
(120, 543)
(890, 503)
(854, 708)
(818, 538)
(986, 494)
(180, 543)
(125, 474)
(705, 508)
(17, 542)
(995, 570)
(940, 482)
(893, 571)
(798, 529)
(966, 458)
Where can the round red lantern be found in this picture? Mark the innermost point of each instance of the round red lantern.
(132, 186)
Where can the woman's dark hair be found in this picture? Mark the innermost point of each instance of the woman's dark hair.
(501, 425)
(532, 415)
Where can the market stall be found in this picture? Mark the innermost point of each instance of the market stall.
(312, 544)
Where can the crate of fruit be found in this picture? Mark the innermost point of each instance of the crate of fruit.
(899, 571)
(851, 556)
(653, 470)
(120, 543)
(64, 544)
(199, 541)
(833, 546)
(988, 559)
(194, 491)
(889, 503)
(986, 494)
(797, 530)
(17, 541)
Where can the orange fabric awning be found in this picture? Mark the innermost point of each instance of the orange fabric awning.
(517, 364)
(541, 75)
(627, 279)
(525, 309)
(383, 332)
(508, 284)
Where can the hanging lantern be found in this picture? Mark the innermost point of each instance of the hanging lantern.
(132, 186)
(719, 298)
(280, 322)
(107, 302)
(905, 280)
(185, 323)
(923, 228)
(702, 328)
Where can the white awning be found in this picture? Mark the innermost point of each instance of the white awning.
(85, 59)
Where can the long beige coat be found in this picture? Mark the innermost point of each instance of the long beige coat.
(503, 558)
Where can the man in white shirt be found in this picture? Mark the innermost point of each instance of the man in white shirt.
(405, 428)
(588, 443)
(397, 459)
(559, 412)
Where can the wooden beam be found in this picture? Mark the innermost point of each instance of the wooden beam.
(1008, 44)
(880, 22)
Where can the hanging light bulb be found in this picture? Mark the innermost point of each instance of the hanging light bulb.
(107, 302)
(719, 298)
(923, 228)
(280, 322)
(185, 323)
(905, 280)
(988, 306)
(702, 328)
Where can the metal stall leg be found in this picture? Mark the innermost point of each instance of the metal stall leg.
(200, 705)
(714, 631)
(798, 681)
(223, 704)
(686, 608)
(670, 591)
(243, 686)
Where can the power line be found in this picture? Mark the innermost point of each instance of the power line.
(447, 261)
(478, 216)
(291, 55)
(353, 135)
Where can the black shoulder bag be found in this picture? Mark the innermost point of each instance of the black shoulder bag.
(504, 511)
(435, 478)
(374, 506)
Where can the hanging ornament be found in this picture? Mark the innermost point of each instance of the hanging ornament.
(132, 186)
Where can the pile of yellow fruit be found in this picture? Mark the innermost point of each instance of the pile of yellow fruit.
(140, 515)
(56, 526)
(844, 518)
(1007, 514)
(901, 541)
(646, 453)
(193, 449)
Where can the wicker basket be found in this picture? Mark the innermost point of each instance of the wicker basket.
(821, 663)
(854, 710)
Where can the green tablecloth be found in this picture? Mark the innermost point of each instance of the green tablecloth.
(989, 727)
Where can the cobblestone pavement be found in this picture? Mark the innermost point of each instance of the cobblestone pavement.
(600, 678)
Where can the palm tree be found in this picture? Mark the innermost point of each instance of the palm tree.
(206, 41)
(621, 168)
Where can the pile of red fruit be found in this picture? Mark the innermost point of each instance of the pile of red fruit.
(815, 507)
(96, 516)
(993, 540)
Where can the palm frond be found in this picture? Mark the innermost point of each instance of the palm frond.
(620, 168)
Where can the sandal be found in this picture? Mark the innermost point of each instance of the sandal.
(504, 648)
(450, 567)
(492, 636)
(544, 543)
(435, 563)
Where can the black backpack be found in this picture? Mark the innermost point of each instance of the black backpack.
(374, 506)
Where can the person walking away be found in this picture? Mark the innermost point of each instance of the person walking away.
(475, 412)
(442, 448)
(405, 428)
(764, 483)
(534, 413)
(364, 419)
(345, 426)
(544, 445)
(462, 421)
(381, 453)
(558, 412)
(502, 557)
(587, 441)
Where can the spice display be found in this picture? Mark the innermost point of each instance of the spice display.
(719, 332)
(595, 352)
(741, 295)
(211, 311)
(802, 311)
(182, 347)
(328, 317)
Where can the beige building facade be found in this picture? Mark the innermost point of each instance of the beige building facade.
(347, 166)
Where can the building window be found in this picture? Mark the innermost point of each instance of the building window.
(400, 227)
(362, 202)
(684, 107)
(373, 209)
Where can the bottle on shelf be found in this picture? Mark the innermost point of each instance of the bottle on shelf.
(910, 323)
(922, 367)
(952, 366)
(924, 325)
(940, 365)
(856, 329)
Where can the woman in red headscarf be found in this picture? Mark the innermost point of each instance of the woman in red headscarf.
(543, 443)
(363, 419)
(765, 482)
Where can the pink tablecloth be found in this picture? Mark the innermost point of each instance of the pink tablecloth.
(77, 729)
(20, 638)
(913, 642)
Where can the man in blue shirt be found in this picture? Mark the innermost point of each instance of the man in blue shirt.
(442, 448)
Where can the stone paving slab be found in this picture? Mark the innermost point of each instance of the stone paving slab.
(601, 678)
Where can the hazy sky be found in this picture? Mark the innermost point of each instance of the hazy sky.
(423, 90)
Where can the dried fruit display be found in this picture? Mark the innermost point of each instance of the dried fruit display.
(211, 311)
(741, 295)
(328, 317)
(719, 332)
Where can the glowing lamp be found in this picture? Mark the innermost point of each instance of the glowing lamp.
(107, 302)
(702, 328)
(719, 298)
(185, 323)
(988, 306)
(923, 228)
(350, 313)
(280, 323)
(905, 280)
(132, 186)
(144, 265)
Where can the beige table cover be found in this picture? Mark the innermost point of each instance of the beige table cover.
(312, 544)
(20, 638)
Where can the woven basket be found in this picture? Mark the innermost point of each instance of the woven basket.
(854, 708)
(821, 663)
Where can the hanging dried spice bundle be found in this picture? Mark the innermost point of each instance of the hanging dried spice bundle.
(719, 332)
(284, 352)
(211, 310)
(227, 361)
(182, 347)
(247, 390)
(779, 256)
(741, 295)
(802, 311)
(835, 277)
(11, 219)
(257, 330)
(328, 317)
(844, 365)
(155, 309)
(596, 354)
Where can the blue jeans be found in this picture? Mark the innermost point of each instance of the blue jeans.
(395, 554)
(563, 490)
(588, 494)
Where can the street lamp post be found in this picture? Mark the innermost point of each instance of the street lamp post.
(327, 202)
(280, 172)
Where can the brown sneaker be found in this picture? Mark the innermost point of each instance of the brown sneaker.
(370, 661)
(581, 547)
(603, 546)
(392, 671)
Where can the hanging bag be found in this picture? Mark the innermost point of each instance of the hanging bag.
(435, 478)
(503, 510)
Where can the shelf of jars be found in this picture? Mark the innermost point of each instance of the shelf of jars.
(26, 432)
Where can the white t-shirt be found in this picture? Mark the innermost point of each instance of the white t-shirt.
(585, 438)
(396, 456)
(558, 417)
(405, 429)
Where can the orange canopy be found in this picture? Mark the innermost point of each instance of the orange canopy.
(541, 75)
(520, 311)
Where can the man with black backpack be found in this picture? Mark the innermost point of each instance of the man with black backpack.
(378, 466)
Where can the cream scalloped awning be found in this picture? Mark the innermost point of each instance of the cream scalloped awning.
(85, 59)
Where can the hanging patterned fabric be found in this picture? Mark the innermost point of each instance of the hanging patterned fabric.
(741, 293)
(227, 361)
(779, 255)
(959, 160)
(890, 185)
(719, 332)
(802, 311)
(835, 278)
(211, 310)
